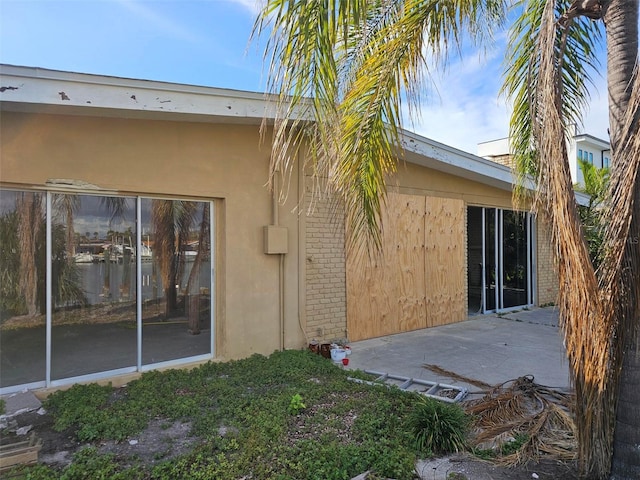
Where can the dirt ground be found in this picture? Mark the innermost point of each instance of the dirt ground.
(162, 441)
(468, 467)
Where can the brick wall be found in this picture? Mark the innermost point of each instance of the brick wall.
(547, 271)
(326, 290)
(506, 160)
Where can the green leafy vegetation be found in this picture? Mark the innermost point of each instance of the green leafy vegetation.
(438, 427)
(296, 405)
(290, 415)
(596, 186)
(456, 476)
(514, 445)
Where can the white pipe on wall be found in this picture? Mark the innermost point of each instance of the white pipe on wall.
(281, 274)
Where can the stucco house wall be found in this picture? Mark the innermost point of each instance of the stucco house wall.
(218, 162)
(132, 137)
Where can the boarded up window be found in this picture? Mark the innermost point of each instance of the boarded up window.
(419, 280)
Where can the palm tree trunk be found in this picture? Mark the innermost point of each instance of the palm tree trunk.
(621, 20)
(194, 299)
(624, 283)
(626, 440)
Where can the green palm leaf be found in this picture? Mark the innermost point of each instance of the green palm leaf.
(343, 72)
(579, 61)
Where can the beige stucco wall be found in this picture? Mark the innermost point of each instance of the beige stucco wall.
(417, 180)
(227, 164)
(224, 163)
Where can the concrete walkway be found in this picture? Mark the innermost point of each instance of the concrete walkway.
(490, 348)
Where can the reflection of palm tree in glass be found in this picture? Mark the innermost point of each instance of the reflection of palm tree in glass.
(203, 246)
(172, 221)
(30, 219)
(67, 206)
(28, 271)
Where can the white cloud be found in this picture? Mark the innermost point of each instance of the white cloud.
(465, 109)
(252, 6)
(162, 23)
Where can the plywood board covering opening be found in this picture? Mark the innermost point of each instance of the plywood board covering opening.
(418, 280)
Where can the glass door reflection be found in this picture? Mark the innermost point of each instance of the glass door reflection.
(93, 285)
(176, 279)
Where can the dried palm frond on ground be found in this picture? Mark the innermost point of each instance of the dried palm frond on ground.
(448, 373)
(520, 421)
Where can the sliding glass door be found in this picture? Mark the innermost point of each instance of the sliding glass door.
(500, 259)
(515, 285)
(96, 285)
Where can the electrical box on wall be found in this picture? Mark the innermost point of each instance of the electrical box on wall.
(275, 240)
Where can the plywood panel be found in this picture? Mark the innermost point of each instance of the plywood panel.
(385, 294)
(405, 262)
(419, 280)
(445, 264)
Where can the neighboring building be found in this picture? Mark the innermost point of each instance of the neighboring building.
(581, 146)
(590, 149)
(137, 233)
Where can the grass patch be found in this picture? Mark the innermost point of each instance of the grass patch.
(292, 415)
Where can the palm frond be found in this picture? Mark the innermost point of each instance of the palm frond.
(341, 71)
(552, 58)
(576, 56)
(116, 206)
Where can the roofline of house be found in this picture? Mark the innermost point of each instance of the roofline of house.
(60, 92)
(32, 89)
(494, 140)
(432, 154)
(586, 136)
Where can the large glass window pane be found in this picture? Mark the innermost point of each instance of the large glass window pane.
(22, 287)
(490, 258)
(176, 279)
(515, 268)
(93, 284)
(474, 260)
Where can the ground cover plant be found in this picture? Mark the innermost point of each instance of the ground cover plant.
(290, 415)
(295, 415)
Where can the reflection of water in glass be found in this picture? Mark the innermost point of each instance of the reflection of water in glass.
(94, 283)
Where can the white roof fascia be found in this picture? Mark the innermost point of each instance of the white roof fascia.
(33, 89)
(51, 91)
(432, 154)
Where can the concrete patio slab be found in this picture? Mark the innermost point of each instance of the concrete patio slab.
(490, 348)
(20, 402)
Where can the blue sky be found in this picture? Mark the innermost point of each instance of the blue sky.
(205, 42)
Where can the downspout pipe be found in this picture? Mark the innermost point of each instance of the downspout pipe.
(281, 274)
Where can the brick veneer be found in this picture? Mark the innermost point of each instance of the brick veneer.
(326, 289)
(547, 271)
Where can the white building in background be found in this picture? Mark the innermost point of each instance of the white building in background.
(582, 146)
